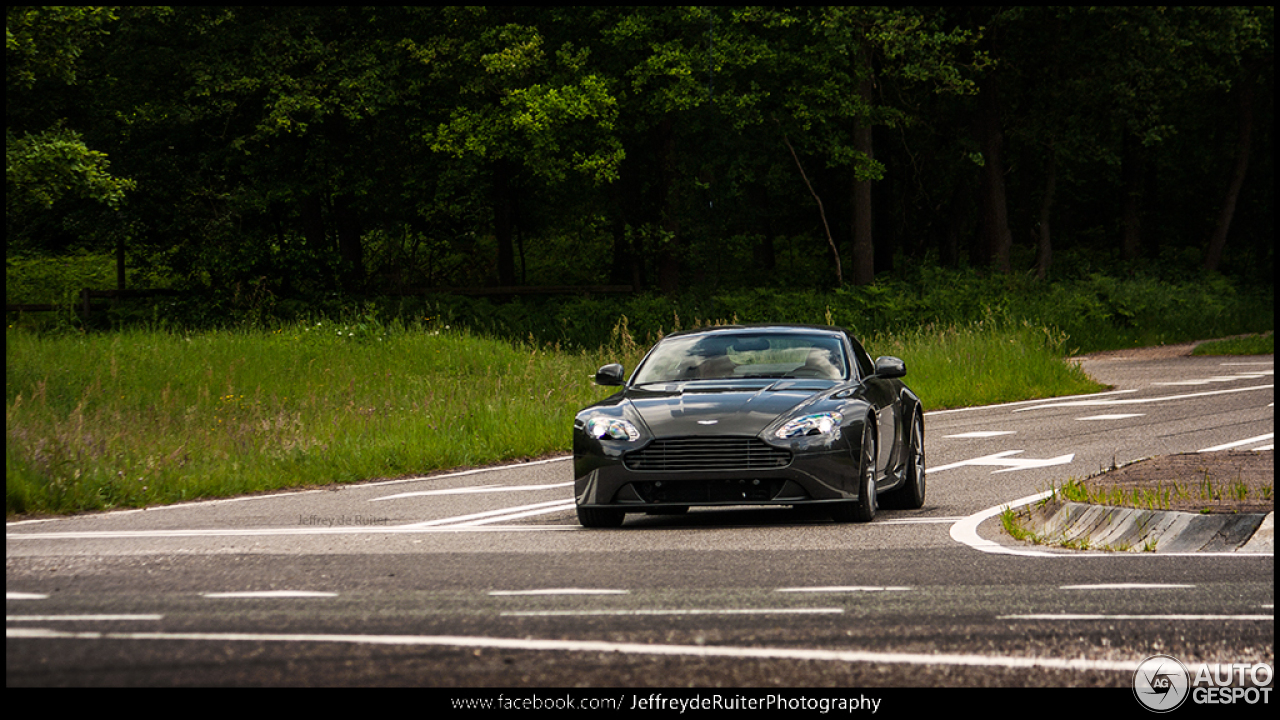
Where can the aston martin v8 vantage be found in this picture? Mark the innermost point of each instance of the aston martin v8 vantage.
(751, 415)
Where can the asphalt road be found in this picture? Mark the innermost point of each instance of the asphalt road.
(484, 578)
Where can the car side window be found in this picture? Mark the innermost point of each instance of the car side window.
(865, 367)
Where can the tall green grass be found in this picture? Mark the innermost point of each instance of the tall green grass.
(984, 363)
(140, 417)
(1264, 344)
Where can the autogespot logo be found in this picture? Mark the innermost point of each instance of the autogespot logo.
(1160, 683)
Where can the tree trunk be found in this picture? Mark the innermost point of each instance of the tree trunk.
(1044, 253)
(311, 211)
(502, 223)
(822, 213)
(669, 251)
(995, 212)
(1131, 170)
(350, 247)
(864, 249)
(120, 261)
(1213, 255)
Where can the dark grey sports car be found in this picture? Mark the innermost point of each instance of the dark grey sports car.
(756, 415)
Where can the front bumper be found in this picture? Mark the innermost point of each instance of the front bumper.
(817, 471)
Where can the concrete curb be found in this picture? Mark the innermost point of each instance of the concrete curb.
(1103, 527)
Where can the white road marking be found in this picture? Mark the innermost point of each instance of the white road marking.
(271, 594)
(1069, 616)
(966, 533)
(271, 532)
(564, 506)
(294, 493)
(493, 515)
(1025, 402)
(1133, 401)
(1126, 586)
(1120, 416)
(623, 613)
(1010, 464)
(1217, 379)
(1238, 443)
(463, 473)
(844, 589)
(24, 596)
(983, 434)
(917, 521)
(558, 591)
(78, 618)
(597, 646)
(476, 490)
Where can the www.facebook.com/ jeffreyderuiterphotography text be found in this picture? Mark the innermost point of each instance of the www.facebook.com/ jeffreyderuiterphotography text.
(672, 703)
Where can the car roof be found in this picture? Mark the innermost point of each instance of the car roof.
(764, 327)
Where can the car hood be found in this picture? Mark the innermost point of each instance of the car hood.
(710, 409)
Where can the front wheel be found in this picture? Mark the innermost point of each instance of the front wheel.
(600, 517)
(911, 495)
(864, 508)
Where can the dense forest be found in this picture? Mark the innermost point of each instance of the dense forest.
(308, 151)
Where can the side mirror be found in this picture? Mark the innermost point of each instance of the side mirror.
(610, 375)
(889, 367)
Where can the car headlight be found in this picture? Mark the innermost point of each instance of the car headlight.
(612, 428)
(818, 424)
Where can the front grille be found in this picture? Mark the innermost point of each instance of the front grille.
(692, 454)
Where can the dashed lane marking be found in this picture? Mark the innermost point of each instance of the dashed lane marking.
(845, 589)
(1127, 586)
(1238, 443)
(271, 594)
(983, 434)
(558, 591)
(1179, 618)
(646, 613)
(78, 618)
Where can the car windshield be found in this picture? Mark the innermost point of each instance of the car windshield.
(743, 355)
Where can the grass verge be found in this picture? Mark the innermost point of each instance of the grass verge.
(1264, 344)
(141, 417)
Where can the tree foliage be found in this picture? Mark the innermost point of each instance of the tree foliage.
(312, 150)
(45, 159)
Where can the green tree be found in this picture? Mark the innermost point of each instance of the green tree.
(525, 101)
(46, 157)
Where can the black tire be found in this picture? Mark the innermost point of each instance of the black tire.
(864, 508)
(600, 517)
(911, 495)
